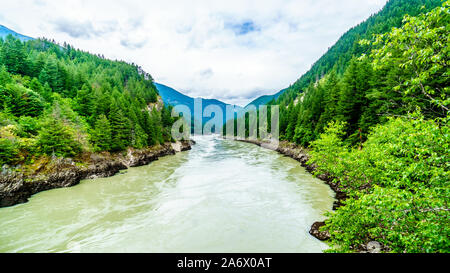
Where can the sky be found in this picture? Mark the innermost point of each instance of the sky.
(233, 50)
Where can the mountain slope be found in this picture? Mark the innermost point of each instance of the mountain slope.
(263, 100)
(4, 32)
(71, 115)
(339, 55)
(172, 97)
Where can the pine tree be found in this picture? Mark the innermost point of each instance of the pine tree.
(5, 77)
(292, 121)
(120, 126)
(13, 55)
(50, 74)
(331, 98)
(148, 127)
(44, 91)
(21, 101)
(157, 128)
(355, 86)
(101, 135)
(140, 137)
(84, 103)
(57, 138)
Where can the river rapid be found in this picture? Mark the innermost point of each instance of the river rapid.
(221, 196)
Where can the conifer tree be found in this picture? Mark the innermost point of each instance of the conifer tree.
(84, 103)
(13, 55)
(101, 135)
(120, 126)
(57, 138)
(49, 74)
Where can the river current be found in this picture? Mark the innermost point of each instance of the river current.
(222, 196)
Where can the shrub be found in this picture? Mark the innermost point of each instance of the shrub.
(398, 185)
(8, 151)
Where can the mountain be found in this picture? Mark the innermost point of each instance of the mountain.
(172, 97)
(263, 100)
(305, 110)
(339, 55)
(103, 110)
(4, 32)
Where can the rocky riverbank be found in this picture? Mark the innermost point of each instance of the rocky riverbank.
(301, 155)
(16, 186)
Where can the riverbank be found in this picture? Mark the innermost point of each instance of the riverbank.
(51, 173)
(301, 155)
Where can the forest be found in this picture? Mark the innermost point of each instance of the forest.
(59, 101)
(374, 114)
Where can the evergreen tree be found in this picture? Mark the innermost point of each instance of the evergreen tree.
(50, 74)
(4, 76)
(355, 86)
(292, 121)
(157, 128)
(57, 138)
(331, 99)
(44, 91)
(120, 126)
(13, 55)
(84, 103)
(101, 135)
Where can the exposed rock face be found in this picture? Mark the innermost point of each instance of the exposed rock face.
(16, 188)
(315, 231)
(374, 247)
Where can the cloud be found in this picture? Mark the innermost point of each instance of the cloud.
(207, 73)
(74, 29)
(133, 44)
(85, 30)
(231, 50)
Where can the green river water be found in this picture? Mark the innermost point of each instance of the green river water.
(222, 196)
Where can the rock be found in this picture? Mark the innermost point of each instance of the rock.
(176, 146)
(16, 188)
(315, 231)
(374, 247)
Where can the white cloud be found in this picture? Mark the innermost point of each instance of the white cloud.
(230, 50)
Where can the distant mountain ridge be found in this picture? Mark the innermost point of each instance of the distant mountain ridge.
(173, 97)
(263, 100)
(4, 32)
(169, 95)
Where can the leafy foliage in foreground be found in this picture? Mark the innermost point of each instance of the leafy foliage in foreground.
(398, 183)
(397, 174)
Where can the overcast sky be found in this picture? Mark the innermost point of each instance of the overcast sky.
(231, 50)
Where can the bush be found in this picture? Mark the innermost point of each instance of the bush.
(398, 183)
(403, 221)
(404, 153)
(28, 126)
(8, 151)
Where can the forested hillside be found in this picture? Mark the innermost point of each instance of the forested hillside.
(324, 92)
(375, 113)
(56, 100)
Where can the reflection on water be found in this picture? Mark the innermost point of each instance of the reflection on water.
(222, 196)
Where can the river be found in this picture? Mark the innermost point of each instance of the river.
(222, 196)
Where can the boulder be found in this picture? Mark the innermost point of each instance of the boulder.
(315, 231)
